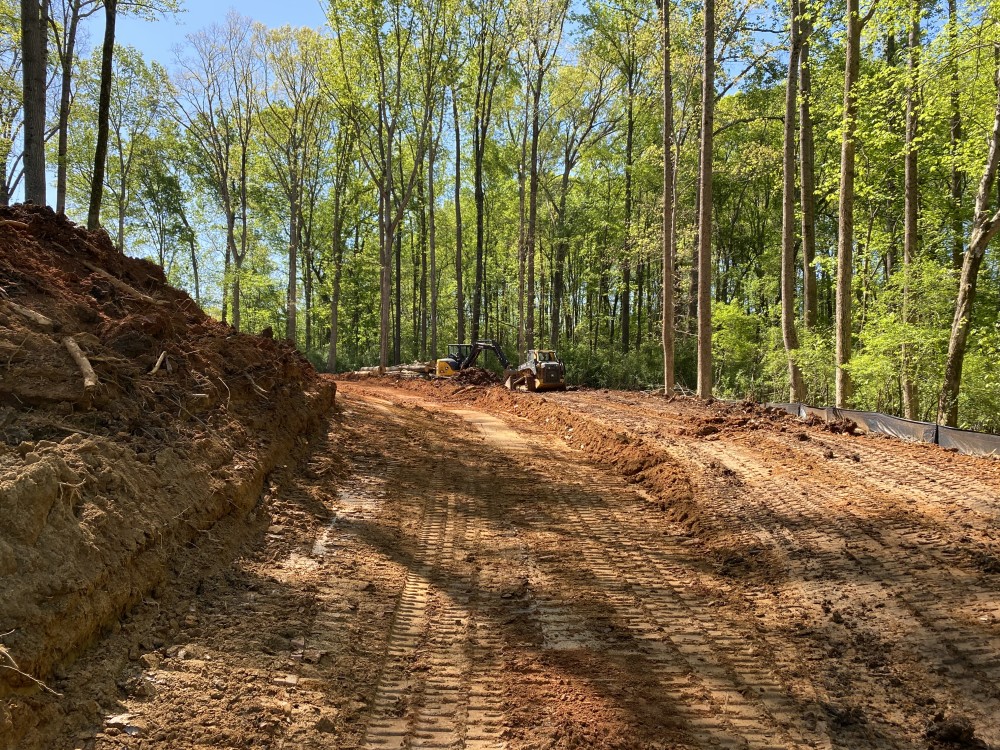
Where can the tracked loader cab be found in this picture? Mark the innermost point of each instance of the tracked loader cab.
(541, 371)
(449, 365)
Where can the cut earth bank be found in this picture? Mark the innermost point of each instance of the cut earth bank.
(111, 489)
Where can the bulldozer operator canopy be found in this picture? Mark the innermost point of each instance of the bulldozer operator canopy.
(546, 355)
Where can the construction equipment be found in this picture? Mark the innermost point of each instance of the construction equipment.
(461, 356)
(542, 371)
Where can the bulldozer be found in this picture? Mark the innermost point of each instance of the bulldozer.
(541, 371)
(461, 356)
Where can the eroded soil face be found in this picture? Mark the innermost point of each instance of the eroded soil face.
(137, 436)
(470, 568)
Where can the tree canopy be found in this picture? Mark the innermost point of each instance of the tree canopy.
(421, 170)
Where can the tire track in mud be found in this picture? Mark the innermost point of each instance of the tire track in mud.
(723, 697)
(434, 691)
(795, 519)
(922, 478)
(926, 595)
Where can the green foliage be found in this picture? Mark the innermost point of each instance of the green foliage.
(312, 132)
(737, 351)
(928, 303)
(980, 396)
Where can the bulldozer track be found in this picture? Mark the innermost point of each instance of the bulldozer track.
(914, 576)
(474, 579)
(434, 690)
(648, 590)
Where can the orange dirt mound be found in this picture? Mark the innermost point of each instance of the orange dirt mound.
(105, 488)
(475, 376)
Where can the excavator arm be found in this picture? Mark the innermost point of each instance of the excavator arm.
(485, 346)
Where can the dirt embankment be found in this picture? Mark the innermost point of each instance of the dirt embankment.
(625, 451)
(104, 488)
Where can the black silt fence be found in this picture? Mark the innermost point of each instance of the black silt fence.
(963, 441)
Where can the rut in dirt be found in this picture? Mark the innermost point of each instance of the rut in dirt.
(498, 571)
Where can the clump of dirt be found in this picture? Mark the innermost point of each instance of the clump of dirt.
(749, 563)
(726, 417)
(475, 376)
(954, 732)
(131, 424)
(841, 427)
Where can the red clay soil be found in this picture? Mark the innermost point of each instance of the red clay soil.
(106, 489)
(859, 571)
(458, 567)
(475, 376)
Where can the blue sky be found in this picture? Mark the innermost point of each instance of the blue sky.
(157, 39)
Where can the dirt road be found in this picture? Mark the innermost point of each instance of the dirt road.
(586, 570)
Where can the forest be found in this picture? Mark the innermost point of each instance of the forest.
(728, 197)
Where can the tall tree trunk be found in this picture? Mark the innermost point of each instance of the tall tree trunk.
(4, 187)
(627, 250)
(238, 265)
(397, 340)
(34, 49)
(559, 262)
(705, 208)
(460, 301)
(120, 239)
(189, 232)
(640, 291)
(227, 268)
(385, 270)
(911, 405)
(65, 96)
(103, 110)
(338, 269)
(667, 323)
(984, 228)
(692, 313)
(422, 245)
(957, 177)
(522, 225)
(529, 303)
(788, 333)
(397, 235)
(845, 240)
(291, 331)
(479, 195)
(432, 230)
(807, 160)
(307, 291)
(232, 253)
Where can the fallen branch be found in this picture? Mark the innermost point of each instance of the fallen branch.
(12, 224)
(16, 669)
(417, 367)
(24, 312)
(121, 285)
(89, 376)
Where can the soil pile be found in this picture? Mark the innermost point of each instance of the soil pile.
(475, 376)
(131, 424)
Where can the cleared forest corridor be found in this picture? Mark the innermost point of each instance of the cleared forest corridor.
(442, 573)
